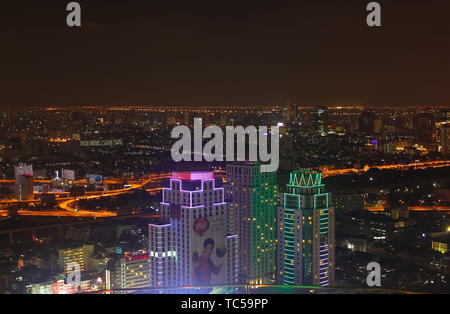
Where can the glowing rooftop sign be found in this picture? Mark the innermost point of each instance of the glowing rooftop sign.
(305, 178)
(193, 176)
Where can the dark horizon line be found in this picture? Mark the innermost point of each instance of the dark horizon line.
(193, 106)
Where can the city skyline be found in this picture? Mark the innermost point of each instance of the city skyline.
(237, 147)
(98, 187)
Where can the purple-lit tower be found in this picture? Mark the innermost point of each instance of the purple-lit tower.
(192, 246)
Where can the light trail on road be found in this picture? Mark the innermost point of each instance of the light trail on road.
(68, 210)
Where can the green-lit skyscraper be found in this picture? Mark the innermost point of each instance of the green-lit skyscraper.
(305, 232)
(253, 198)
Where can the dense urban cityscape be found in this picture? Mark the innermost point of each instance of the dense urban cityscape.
(224, 155)
(95, 190)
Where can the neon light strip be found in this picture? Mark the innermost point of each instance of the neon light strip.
(198, 191)
(193, 176)
(199, 206)
(154, 225)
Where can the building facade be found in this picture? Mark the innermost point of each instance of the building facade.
(79, 254)
(253, 198)
(23, 181)
(305, 230)
(24, 188)
(132, 271)
(193, 246)
(162, 255)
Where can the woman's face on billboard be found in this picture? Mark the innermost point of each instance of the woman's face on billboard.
(209, 250)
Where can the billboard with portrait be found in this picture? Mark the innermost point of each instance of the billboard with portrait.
(209, 250)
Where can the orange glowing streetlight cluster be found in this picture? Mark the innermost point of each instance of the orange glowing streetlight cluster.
(417, 165)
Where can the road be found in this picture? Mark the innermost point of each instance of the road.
(67, 205)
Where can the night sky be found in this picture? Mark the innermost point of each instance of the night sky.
(224, 52)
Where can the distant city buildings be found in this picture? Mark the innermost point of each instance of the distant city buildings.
(444, 138)
(322, 120)
(61, 287)
(386, 168)
(441, 245)
(348, 202)
(355, 245)
(367, 121)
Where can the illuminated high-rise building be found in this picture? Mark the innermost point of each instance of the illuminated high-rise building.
(192, 245)
(162, 255)
(305, 253)
(253, 198)
(79, 254)
(131, 271)
(321, 120)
